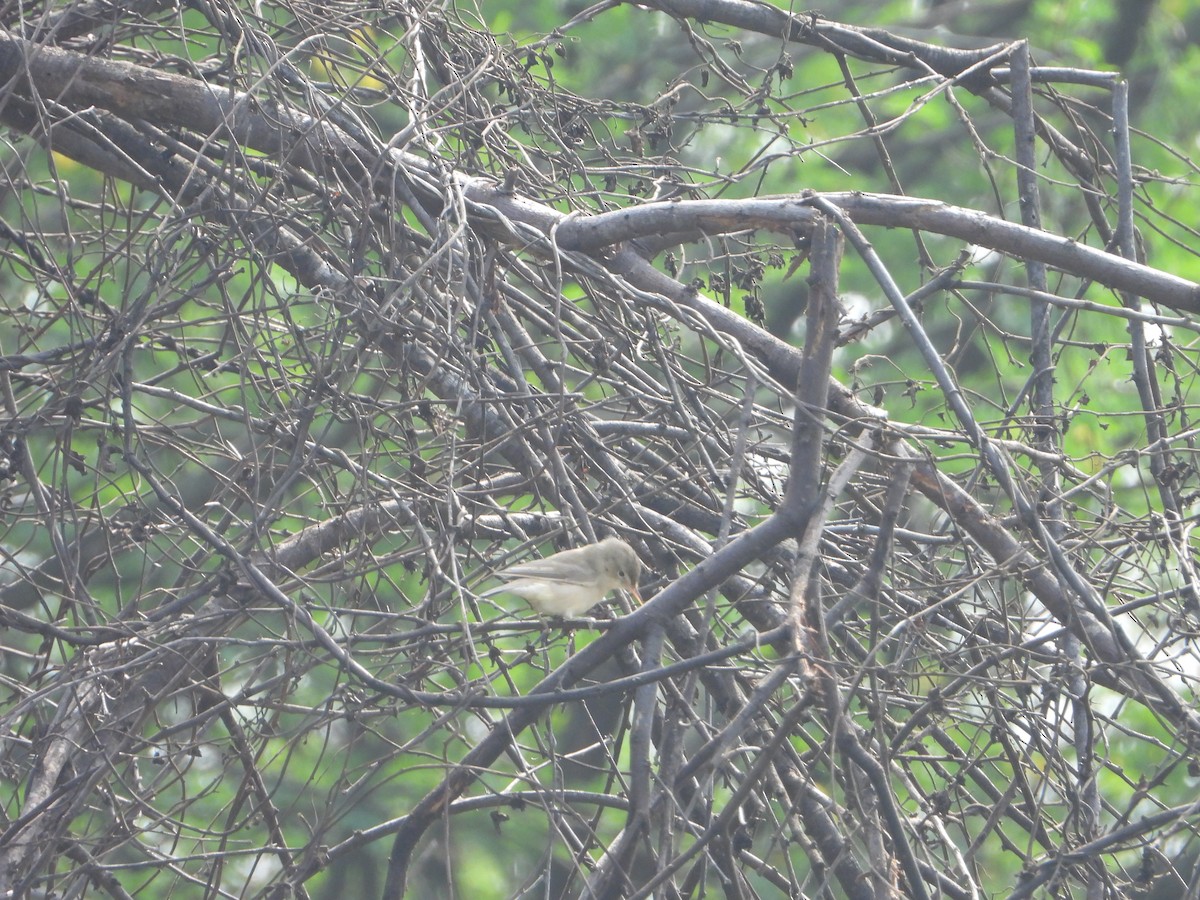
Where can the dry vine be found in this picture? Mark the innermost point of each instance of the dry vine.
(368, 302)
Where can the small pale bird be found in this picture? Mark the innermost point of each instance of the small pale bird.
(573, 581)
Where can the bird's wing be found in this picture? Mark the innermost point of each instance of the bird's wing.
(564, 570)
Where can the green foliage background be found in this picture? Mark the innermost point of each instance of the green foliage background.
(633, 60)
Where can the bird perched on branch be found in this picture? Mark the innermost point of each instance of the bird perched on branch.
(573, 581)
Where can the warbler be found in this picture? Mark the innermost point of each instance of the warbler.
(573, 581)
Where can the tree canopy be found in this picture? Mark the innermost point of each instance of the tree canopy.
(874, 342)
